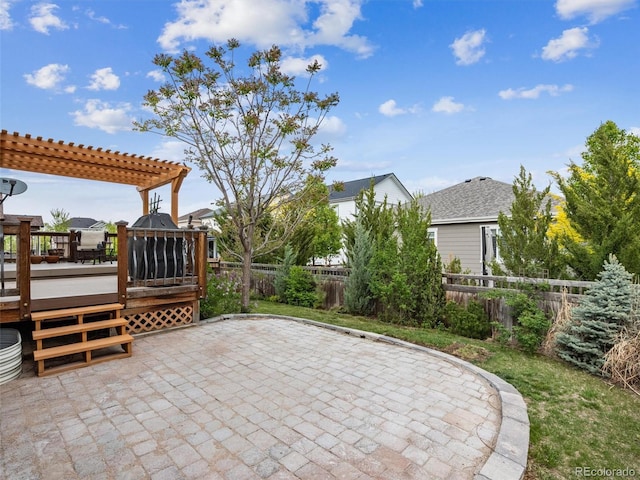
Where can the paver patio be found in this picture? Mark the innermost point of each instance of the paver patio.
(256, 398)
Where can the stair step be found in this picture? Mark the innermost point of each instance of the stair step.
(78, 328)
(62, 350)
(74, 312)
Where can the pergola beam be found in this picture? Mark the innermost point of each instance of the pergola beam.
(36, 155)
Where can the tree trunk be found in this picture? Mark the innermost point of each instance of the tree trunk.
(246, 280)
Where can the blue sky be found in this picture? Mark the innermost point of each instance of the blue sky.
(433, 91)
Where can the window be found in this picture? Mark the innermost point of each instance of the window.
(489, 246)
(433, 235)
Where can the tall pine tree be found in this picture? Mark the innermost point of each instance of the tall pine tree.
(358, 297)
(525, 246)
(602, 202)
(595, 323)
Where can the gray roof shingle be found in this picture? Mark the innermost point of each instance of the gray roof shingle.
(476, 198)
(354, 187)
(200, 213)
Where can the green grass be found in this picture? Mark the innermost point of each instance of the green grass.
(577, 420)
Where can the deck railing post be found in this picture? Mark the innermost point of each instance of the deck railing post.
(23, 268)
(200, 269)
(123, 262)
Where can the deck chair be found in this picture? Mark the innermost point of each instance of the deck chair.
(90, 245)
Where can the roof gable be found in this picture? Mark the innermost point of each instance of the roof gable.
(352, 188)
(200, 213)
(479, 198)
(81, 222)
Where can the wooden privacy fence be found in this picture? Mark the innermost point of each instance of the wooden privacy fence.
(459, 288)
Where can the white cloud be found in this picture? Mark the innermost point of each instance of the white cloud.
(43, 18)
(417, 3)
(104, 20)
(332, 126)
(533, 93)
(49, 77)
(5, 18)
(156, 75)
(172, 150)
(595, 10)
(634, 131)
(567, 45)
(468, 49)
(98, 114)
(390, 109)
(104, 79)
(447, 105)
(298, 66)
(267, 22)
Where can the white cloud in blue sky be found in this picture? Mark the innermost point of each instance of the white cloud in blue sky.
(50, 77)
(568, 45)
(594, 10)
(104, 79)
(391, 109)
(43, 18)
(469, 48)
(108, 118)
(447, 105)
(535, 92)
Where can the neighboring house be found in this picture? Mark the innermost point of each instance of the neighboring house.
(199, 218)
(11, 219)
(196, 218)
(83, 223)
(464, 221)
(344, 201)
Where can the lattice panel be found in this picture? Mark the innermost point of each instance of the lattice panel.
(160, 319)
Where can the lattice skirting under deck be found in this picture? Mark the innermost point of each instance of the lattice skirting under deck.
(160, 319)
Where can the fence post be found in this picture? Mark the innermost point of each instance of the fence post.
(23, 267)
(123, 262)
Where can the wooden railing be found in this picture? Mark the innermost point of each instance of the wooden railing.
(158, 258)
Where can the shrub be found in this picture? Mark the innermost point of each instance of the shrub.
(223, 295)
(470, 322)
(358, 298)
(599, 318)
(531, 324)
(282, 273)
(301, 288)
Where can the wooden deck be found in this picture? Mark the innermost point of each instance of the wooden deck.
(66, 285)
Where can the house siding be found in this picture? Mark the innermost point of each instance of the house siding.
(462, 241)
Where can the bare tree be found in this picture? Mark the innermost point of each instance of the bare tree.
(250, 135)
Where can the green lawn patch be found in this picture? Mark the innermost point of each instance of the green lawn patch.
(577, 420)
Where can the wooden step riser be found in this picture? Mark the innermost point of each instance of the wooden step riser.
(79, 328)
(74, 312)
(62, 350)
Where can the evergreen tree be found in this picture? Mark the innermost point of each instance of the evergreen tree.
(282, 273)
(602, 202)
(598, 319)
(420, 262)
(376, 218)
(407, 276)
(358, 298)
(525, 246)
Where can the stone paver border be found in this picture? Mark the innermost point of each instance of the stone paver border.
(508, 461)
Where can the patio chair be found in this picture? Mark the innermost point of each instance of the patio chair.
(90, 245)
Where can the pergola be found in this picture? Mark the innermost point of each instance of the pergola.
(29, 154)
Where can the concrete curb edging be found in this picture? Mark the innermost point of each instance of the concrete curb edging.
(508, 461)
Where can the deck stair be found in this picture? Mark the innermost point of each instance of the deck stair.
(75, 339)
